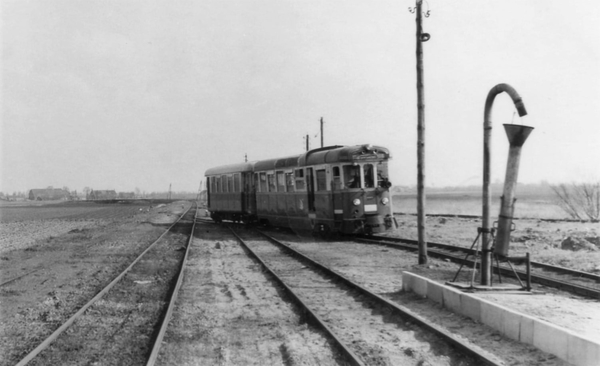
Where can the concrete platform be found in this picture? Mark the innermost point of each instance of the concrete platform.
(543, 335)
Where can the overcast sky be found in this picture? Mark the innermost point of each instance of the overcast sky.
(125, 94)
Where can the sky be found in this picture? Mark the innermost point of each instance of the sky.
(125, 94)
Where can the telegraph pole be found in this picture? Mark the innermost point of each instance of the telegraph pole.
(199, 191)
(421, 37)
(322, 132)
(307, 144)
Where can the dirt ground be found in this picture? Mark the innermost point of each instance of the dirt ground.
(57, 262)
(230, 313)
(64, 259)
(542, 239)
(381, 272)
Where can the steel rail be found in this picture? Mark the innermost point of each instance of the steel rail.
(350, 356)
(17, 277)
(545, 266)
(395, 308)
(205, 221)
(167, 318)
(82, 310)
(398, 243)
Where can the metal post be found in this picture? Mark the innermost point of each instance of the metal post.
(528, 271)
(486, 263)
(420, 141)
(322, 132)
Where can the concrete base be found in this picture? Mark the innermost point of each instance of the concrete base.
(550, 338)
(500, 287)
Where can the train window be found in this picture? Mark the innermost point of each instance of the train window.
(300, 184)
(337, 179)
(382, 175)
(263, 182)
(223, 183)
(280, 182)
(289, 181)
(236, 183)
(321, 180)
(271, 181)
(352, 176)
(369, 175)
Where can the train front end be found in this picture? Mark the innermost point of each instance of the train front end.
(365, 192)
(349, 189)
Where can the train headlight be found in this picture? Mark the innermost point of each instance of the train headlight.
(385, 201)
(356, 202)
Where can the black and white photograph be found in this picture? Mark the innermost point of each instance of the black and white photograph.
(300, 182)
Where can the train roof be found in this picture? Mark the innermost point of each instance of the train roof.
(342, 154)
(324, 155)
(232, 168)
(280, 163)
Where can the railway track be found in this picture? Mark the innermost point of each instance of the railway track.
(577, 282)
(117, 326)
(364, 325)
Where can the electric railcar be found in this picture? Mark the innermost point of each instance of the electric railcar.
(332, 189)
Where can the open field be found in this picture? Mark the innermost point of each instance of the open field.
(32, 210)
(534, 235)
(536, 202)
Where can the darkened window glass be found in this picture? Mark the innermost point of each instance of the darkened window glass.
(280, 182)
(321, 180)
(263, 182)
(369, 175)
(271, 181)
(300, 184)
(351, 176)
(236, 183)
(289, 182)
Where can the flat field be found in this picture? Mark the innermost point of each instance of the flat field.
(24, 223)
(83, 210)
(537, 202)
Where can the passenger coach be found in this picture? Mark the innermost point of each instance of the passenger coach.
(331, 189)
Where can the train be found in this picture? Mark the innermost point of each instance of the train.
(333, 189)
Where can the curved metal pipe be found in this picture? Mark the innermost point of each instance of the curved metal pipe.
(487, 196)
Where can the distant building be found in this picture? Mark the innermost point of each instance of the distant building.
(48, 194)
(102, 195)
(126, 195)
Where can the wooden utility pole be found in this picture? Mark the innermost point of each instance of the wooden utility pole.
(421, 37)
(307, 144)
(322, 132)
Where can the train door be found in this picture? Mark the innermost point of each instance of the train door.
(336, 196)
(310, 187)
(209, 181)
(249, 195)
